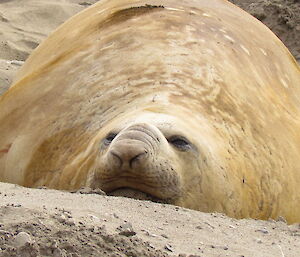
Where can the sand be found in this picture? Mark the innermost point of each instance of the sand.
(43, 222)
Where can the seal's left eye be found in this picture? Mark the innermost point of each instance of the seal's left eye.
(180, 142)
(109, 138)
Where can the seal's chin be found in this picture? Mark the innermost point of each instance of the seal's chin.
(135, 194)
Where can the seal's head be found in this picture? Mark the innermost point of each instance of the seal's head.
(151, 153)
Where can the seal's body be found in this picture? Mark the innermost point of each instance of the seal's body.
(193, 102)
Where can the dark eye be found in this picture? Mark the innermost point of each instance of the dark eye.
(180, 142)
(109, 138)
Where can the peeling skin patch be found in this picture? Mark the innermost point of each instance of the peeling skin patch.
(6, 149)
(287, 77)
(173, 9)
(107, 47)
(102, 11)
(263, 51)
(284, 83)
(229, 38)
(245, 49)
(206, 15)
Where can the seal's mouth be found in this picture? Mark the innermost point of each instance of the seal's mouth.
(135, 194)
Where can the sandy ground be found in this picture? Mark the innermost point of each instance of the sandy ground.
(40, 222)
(24, 24)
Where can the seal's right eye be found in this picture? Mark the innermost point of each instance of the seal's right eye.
(109, 138)
(180, 143)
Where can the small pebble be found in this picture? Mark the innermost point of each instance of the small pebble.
(259, 241)
(70, 222)
(87, 190)
(169, 247)
(85, 4)
(149, 234)
(16, 62)
(22, 239)
(126, 229)
(61, 218)
(264, 231)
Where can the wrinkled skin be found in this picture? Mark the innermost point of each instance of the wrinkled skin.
(153, 154)
(195, 103)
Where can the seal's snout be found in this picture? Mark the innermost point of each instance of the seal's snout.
(130, 149)
(127, 156)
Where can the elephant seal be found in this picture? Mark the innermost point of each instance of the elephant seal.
(195, 103)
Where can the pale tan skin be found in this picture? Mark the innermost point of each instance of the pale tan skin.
(202, 70)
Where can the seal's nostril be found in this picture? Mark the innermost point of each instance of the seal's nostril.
(127, 157)
(118, 160)
(138, 158)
